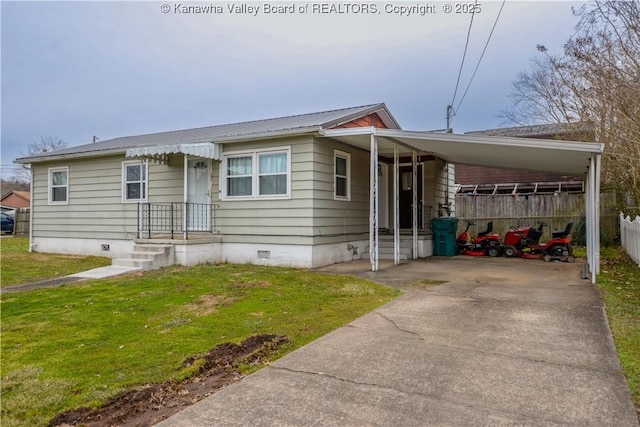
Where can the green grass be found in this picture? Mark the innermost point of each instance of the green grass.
(619, 280)
(76, 346)
(19, 266)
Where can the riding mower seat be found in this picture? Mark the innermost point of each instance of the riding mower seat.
(488, 230)
(557, 234)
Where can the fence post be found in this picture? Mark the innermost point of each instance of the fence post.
(630, 236)
(186, 222)
(172, 222)
(139, 220)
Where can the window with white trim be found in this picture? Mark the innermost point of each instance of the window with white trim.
(59, 185)
(134, 181)
(342, 175)
(257, 174)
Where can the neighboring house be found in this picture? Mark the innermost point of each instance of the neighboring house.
(16, 199)
(479, 180)
(306, 190)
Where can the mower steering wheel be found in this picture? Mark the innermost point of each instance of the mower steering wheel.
(470, 222)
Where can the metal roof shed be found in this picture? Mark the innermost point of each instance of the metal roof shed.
(565, 157)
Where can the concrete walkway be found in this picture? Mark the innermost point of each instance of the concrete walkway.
(96, 273)
(503, 342)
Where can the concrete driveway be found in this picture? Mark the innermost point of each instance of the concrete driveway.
(502, 342)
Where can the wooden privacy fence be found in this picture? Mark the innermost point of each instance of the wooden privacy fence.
(21, 224)
(526, 210)
(630, 236)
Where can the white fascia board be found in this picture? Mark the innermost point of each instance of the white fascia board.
(591, 147)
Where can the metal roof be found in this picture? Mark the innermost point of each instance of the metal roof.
(266, 128)
(532, 131)
(546, 155)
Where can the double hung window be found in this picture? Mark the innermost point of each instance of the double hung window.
(59, 186)
(134, 181)
(342, 176)
(257, 174)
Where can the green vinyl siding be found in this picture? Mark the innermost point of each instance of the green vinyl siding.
(337, 220)
(309, 216)
(284, 221)
(95, 208)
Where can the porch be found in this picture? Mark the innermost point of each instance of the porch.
(176, 221)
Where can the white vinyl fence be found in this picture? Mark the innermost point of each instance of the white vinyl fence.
(630, 236)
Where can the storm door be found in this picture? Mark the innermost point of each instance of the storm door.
(198, 200)
(405, 184)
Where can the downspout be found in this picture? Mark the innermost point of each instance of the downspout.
(373, 208)
(31, 208)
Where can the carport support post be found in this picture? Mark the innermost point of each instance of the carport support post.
(596, 200)
(592, 195)
(396, 207)
(373, 206)
(414, 204)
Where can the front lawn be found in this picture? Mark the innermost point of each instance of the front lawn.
(79, 345)
(19, 266)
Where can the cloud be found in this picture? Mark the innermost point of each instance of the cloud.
(78, 69)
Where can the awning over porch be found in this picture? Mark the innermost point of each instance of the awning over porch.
(159, 153)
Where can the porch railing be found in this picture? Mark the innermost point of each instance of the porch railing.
(176, 219)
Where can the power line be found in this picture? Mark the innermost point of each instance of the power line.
(464, 54)
(479, 60)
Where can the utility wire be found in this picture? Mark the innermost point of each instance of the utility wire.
(480, 59)
(464, 54)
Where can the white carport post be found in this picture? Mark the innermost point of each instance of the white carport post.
(396, 207)
(596, 200)
(373, 207)
(592, 195)
(414, 204)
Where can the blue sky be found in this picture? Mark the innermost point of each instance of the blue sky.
(78, 69)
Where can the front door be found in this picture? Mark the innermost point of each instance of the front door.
(198, 202)
(405, 184)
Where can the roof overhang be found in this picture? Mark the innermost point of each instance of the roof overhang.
(565, 157)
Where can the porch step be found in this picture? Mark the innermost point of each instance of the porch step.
(148, 257)
(385, 249)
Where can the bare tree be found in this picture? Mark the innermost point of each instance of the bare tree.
(46, 144)
(596, 82)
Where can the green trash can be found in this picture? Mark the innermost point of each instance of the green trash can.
(444, 235)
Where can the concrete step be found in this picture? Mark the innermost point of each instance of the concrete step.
(402, 257)
(142, 264)
(148, 257)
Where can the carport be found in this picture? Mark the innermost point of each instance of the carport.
(565, 157)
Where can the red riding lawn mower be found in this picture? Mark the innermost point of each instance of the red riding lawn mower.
(485, 243)
(525, 242)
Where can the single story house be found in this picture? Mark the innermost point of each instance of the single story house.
(306, 190)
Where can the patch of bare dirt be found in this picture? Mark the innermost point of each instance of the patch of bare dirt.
(208, 304)
(152, 403)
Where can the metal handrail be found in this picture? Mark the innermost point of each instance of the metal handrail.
(175, 217)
